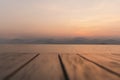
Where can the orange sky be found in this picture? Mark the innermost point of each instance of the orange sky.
(59, 18)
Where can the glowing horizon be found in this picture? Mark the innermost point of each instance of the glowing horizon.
(59, 18)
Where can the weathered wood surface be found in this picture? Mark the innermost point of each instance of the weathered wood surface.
(78, 68)
(59, 67)
(110, 62)
(10, 63)
(112, 56)
(44, 67)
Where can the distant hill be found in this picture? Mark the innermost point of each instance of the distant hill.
(60, 41)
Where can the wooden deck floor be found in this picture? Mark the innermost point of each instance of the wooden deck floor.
(27, 66)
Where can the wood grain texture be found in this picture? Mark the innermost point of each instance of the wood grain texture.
(78, 68)
(44, 67)
(9, 63)
(113, 56)
(108, 61)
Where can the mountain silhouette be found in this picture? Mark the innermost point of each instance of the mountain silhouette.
(78, 40)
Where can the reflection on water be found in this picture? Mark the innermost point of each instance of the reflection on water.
(47, 48)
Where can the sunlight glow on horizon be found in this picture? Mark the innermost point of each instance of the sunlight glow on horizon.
(59, 18)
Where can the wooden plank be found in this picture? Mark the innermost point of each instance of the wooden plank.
(78, 68)
(44, 67)
(10, 63)
(115, 57)
(106, 62)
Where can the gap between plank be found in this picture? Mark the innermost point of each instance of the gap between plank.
(109, 70)
(14, 72)
(63, 68)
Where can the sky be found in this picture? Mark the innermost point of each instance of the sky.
(59, 18)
